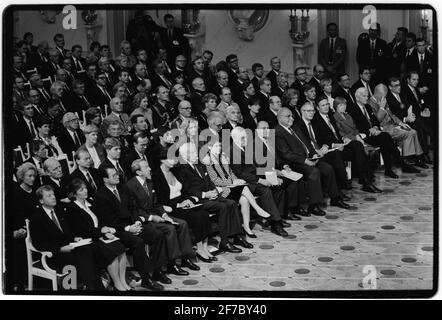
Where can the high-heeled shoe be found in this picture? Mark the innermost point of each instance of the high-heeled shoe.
(206, 260)
(213, 258)
(265, 216)
(250, 235)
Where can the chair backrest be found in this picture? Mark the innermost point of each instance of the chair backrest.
(48, 79)
(65, 165)
(19, 157)
(29, 246)
(31, 71)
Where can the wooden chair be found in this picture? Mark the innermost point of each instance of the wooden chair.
(39, 268)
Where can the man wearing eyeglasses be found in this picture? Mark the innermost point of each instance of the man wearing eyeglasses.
(301, 80)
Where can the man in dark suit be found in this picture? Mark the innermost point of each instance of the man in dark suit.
(140, 142)
(318, 75)
(422, 111)
(243, 167)
(71, 136)
(197, 182)
(271, 115)
(222, 80)
(282, 84)
(265, 88)
(343, 89)
(275, 64)
(35, 98)
(143, 205)
(294, 149)
(198, 90)
(396, 102)
(59, 46)
(50, 232)
(99, 93)
(258, 73)
(26, 129)
(104, 66)
(232, 71)
(113, 151)
(332, 51)
(173, 40)
(372, 52)
(86, 172)
(333, 158)
(287, 194)
(50, 67)
(112, 203)
(55, 178)
(158, 76)
(396, 52)
(368, 125)
(38, 84)
(40, 57)
(300, 81)
(78, 63)
(364, 81)
(77, 100)
(327, 133)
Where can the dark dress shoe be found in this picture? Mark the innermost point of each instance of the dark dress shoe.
(339, 203)
(316, 211)
(265, 223)
(368, 188)
(345, 198)
(301, 212)
(292, 216)
(161, 277)
(409, 169)
(240, 241)
(187, 263)
(279, 230)
(228, 247)
(177, 270)
(151, 285)
(201, 258)
(375, 188)
(213, 258)
(391, 174)
(285, 224)
(421, 164)
(426, 159)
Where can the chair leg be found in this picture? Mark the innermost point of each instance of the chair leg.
(30, 282)
(54, 284)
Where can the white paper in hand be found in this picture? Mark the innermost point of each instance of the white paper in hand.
(109, 240)
(272, 177)
(292, 175)
(82, 242)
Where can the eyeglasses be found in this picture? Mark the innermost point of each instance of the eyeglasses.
(310, 110)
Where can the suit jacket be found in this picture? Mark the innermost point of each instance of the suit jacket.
(77, 174)
(264, 102)
(77, 104)
(417, 105)
(358, 84)
(81, 222)
(277, 91)
(398, 108)
(157, 81)
(176, 45)
(386, 118)
(123, 177)
(23, 134)
(324, 135)
(270, 117)
(360, 120)
(97, 97)
(46, 236)
(49, 70)
(346, 125)
(163, 189)
(340, 92)
(396, 56)
(195, 184)
(300, 87)
(124, 121)
(301, 128)
(127, 160)
(248, 122)
(142, 204)
(59, 191)
(243, 169)
(81, 68)
(110, 211)
(292, 149)
(272, 77)
(338, 56)
(37, 61)
(363, 56)
(426, 73)
(66, 143)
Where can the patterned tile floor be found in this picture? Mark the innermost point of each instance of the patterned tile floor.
(387, 236)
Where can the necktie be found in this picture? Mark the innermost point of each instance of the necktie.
(54, 220)
(372, 51)
(170, 34)
(197, 171)
(45, 94)
(38, 109)
(366, 115)
(120, 171)
(146, 188)
(305, 147)
(331, 127)
(349, 94)
(421, 63)
(115, 192)
(91, 181)
(76, 140)
(330, 52)
(105, 93)
(312, 137)
(368, 89)
(32, 129)
(85, 101)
